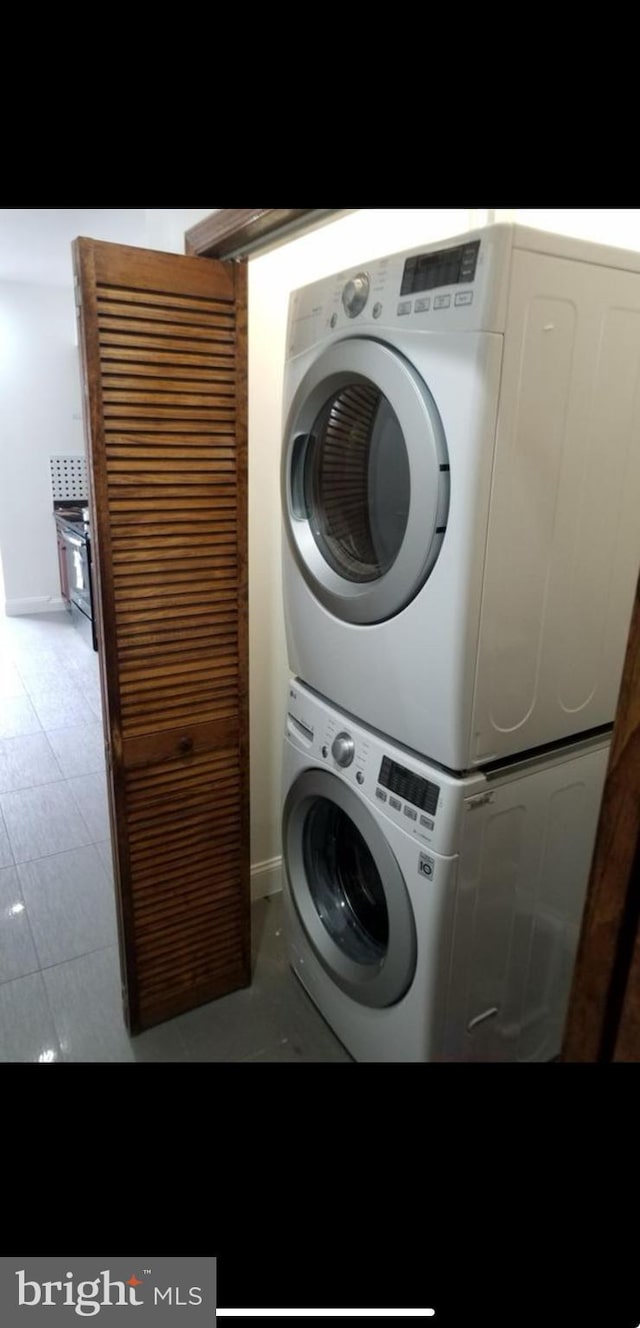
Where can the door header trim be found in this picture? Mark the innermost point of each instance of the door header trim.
(237, 232)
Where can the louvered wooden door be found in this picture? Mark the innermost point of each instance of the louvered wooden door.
(163, 349)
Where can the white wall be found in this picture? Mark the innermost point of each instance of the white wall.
(40, 393)
(165, 227)
(40, 416)
(349, 241)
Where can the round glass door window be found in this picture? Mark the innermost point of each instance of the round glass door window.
(357, 483)
(365, 480)
(345, 883)
(348, 889)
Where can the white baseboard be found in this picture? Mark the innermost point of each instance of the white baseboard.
(14, 608)
(266, 878)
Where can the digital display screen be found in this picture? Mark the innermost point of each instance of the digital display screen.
(447, 267)
(420, 792)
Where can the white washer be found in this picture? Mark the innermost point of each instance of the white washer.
(431, 917)
(460, 489)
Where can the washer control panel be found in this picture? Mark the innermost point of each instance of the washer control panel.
(402, 793)
(424, 801)
(409, 794)
(413, 789)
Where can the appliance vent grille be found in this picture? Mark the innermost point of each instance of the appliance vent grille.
(68, 477)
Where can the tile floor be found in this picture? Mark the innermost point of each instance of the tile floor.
(59, 970)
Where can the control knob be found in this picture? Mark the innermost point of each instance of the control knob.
(343, 749)
(356, 294)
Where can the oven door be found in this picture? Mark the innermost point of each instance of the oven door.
(79, 570)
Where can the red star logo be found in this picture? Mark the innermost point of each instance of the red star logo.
(134, 1281)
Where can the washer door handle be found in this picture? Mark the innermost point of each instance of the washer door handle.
(480, 1018)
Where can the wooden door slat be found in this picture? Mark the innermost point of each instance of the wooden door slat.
(119, 358)
(180, 867)
(168, 376)
(157, 411)
(173, 890)
(208, 453)
(109, 295)
(203, 834)
(165, 395)
(128, 387)
(181, 322)
(158, 350)
(137, 332)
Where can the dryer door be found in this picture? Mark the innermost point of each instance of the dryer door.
(365, 480)
(348, 890)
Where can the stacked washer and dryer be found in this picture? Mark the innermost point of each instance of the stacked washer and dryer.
(460, 496)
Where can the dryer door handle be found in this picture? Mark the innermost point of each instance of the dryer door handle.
(297, 487)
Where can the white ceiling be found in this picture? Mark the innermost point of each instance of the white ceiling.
(35, 243)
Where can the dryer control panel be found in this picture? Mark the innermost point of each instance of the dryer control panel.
(456, 285)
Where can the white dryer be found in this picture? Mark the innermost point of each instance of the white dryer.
(433, 918)
(460, 489)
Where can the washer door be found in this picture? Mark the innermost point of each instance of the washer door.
(365, 480)
(348, 890)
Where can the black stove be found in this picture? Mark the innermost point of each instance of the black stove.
(74, 532)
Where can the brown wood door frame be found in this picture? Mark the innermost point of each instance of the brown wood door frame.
(603, 1020)
(234, 232)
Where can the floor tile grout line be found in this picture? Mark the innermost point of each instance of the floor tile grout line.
(28, 788)
(26, 862)
(67, 1057)
(97, 949)
(52, 753)
(83, 818)
(47, 783)
(31, 931)
(29, 733)
(18, 738)
(38, 973)
(88, 718)
(52, 1016)
(31, 972)
(4, 827)
(44, 967)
